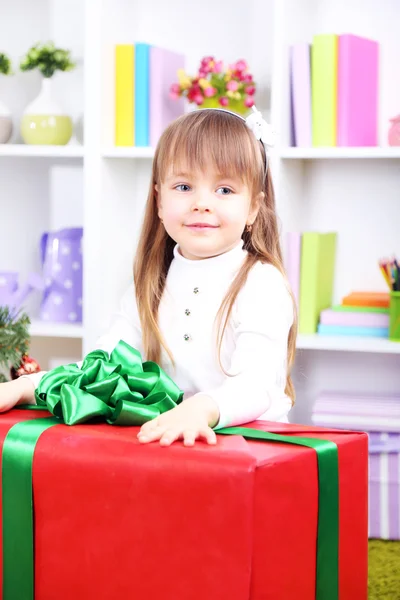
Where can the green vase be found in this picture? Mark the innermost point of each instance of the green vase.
(236, 106)
(44, 122)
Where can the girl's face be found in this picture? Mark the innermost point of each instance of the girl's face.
(205, 213)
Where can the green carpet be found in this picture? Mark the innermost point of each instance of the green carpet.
(384, 570)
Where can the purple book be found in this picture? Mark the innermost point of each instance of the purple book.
(293, 256)
(164, 65)
(301, 93)
(353, 318)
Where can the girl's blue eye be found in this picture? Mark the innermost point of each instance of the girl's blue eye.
(181, 186)
(225, 191)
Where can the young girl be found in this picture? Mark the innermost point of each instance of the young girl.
(210, 301)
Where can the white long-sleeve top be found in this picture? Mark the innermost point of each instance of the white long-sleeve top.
(254, 348)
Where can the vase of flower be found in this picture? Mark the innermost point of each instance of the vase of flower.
(44, 120)
(6, 124)
(213, 87)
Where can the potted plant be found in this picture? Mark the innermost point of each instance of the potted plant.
(6, 125)
(44, 121)
(215, 87)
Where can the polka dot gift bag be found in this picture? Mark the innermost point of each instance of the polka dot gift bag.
(62, 273)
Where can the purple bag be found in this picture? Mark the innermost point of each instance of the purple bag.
(62, 273)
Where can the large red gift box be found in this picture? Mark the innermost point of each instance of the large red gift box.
(114, 519)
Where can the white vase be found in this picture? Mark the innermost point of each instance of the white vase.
(6, 124)
(44, 121)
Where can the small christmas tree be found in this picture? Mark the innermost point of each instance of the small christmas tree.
(14, 341)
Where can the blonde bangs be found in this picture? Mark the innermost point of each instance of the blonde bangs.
(211, 140)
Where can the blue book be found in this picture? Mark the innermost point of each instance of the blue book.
(142, 69)
(381, 332)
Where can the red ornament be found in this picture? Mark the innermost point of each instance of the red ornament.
(27, 366)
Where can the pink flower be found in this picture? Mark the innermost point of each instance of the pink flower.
(219, 65)
(175, 88)
(250, 90)
(174, 95)
(248, 78)
(198, 99)
(224, 101)
(209, 92)
(232, 85)
(249, 102)
(241, 65)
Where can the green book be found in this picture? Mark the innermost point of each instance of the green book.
(324, 76)
(317, 267)
(364, 309)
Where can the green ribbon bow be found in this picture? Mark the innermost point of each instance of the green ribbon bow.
(117, 388)
(122, 391)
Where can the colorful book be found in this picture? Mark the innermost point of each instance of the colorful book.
(324, 66)
(357, 123)
(124, 94)
(353, 331)
(367, 299)
(142, 66)
(292, 261)
(367, 309)
(318, 252)
(164, 65)
(353, 318)
(300, 58)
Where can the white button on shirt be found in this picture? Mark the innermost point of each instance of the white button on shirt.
(254, 348)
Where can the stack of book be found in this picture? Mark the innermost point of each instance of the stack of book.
(360, 314)
(143, 106)
(334, 91)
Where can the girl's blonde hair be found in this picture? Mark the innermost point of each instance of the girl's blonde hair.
(194, 142)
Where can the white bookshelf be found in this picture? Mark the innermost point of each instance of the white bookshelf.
(42, 329)
(374, 153)
(354, 191)
(26, 151)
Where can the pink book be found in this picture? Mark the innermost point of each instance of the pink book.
(353, 319)
(164, 65)
(293, 257)
(357, 123)
(301, 93)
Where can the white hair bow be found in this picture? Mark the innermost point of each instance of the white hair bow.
(261, 129)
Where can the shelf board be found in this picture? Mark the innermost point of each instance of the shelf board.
(55, 330)
(339, 153)
(25, 150)
(128, 152)
(343, 343)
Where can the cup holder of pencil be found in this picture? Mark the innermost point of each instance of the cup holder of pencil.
(394, 317)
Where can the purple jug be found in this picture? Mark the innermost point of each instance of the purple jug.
(12, 294)
(62, 273)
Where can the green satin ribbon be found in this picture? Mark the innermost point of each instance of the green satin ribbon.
(122, 391)
(327, 543)
(119, 389)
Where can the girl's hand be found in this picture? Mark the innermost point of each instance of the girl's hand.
(191, 420)
(19, 391)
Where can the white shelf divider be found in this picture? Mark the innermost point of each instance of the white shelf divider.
(347, 344)
(25, 150)
(374, 152)
(56, 330)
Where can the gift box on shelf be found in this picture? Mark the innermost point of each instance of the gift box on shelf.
(379, 416)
